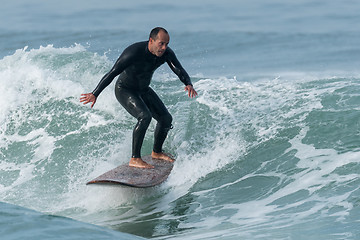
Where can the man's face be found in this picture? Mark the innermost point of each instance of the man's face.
(158, 46)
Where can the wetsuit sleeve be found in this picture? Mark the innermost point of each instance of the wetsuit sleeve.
(176, 67)
(123, 62)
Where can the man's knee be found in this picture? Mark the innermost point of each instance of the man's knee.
(167, 120)
(145, 118)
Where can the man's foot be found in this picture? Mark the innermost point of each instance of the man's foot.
(162, 156)
(139, 163)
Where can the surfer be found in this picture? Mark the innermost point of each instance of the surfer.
(136, 66)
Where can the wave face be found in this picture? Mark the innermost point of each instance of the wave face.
(259, 159)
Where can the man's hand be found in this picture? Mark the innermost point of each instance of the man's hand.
(191, 91)
(88, 97)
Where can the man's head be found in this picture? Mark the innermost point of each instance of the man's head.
(158, 41)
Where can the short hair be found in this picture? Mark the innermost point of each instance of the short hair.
(155, 31)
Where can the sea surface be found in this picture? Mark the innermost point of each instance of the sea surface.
(270, 149)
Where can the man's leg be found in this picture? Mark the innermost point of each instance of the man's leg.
(163, 118)
(135, 105)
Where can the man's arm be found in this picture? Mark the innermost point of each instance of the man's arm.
(122, 63)
(176, 67)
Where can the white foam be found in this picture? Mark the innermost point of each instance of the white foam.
(261, 105)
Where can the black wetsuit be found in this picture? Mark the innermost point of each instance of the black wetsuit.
(136, 66)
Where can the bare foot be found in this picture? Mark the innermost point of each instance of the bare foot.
(139, 163)
(162, 156)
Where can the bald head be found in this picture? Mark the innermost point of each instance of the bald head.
(154, 33)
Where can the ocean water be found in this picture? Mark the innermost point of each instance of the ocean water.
(270, 149)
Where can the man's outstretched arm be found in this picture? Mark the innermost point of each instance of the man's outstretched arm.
(184, 77)
(122, 62)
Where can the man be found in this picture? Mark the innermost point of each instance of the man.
(136, 66)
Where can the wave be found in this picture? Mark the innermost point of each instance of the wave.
(250, 154)
(18, 223)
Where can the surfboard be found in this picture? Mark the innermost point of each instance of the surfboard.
(137, 177)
